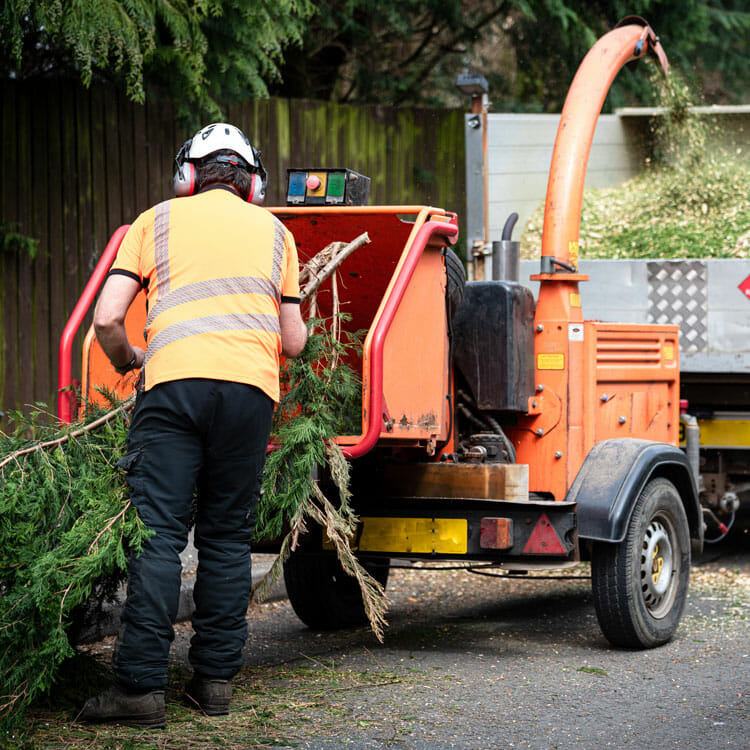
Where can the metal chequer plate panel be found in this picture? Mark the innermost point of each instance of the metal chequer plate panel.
(677, 294)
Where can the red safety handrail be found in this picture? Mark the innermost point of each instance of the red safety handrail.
(65, 396)
(375, 412)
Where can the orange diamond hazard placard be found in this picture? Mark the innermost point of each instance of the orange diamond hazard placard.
(544, 539)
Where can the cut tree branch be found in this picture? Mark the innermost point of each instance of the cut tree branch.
(338, 258)
(124, 406)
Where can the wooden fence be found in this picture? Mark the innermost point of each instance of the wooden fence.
(76, 164)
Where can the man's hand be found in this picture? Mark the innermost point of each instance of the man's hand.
(134, 363)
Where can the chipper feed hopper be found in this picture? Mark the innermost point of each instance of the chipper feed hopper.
(495, 430)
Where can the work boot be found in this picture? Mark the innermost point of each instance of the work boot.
(118, 706)
(211, 696)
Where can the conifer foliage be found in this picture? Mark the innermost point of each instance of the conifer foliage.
(322, 399)
(66, 526)
(323, 396)
(199, 52)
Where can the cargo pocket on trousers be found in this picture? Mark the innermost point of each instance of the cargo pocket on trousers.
(129, 464)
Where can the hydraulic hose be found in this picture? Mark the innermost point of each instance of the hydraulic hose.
(510, 222)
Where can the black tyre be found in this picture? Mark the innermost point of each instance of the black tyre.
(640, 584)
(456, 281)
(323, 596)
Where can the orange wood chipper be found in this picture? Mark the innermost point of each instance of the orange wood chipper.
(493, 430)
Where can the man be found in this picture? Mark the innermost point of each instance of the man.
(221, 277)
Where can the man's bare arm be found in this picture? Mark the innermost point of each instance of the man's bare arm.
(109, 320)
(293, 329)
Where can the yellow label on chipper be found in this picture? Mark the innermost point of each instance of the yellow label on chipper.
(417, 535)
(667, 351)
(575, 299)
(550, 361)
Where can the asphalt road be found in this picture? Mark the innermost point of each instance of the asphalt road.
(470, 661)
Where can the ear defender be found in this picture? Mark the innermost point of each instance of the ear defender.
(257, 192)
(184, 180)
(259, 180)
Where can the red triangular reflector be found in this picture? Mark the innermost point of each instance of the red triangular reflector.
(544, 539)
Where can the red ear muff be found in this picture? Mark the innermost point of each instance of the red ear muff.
(184, 179)
(257, 192)
(254, 186)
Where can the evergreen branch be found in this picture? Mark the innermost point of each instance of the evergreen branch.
(340, 530)
(340, 254)
(58, 500)
(17, 603)
(108, 417)
(11, 624)
(109, 525)
(311, 415)
(13, 698)
(320, 392)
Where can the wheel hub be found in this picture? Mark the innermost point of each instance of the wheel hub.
(657, 568)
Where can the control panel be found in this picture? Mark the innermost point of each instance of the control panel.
(326, 187)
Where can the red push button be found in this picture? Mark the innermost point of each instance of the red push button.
(313, 182)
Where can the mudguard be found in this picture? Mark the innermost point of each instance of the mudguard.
(614, 475)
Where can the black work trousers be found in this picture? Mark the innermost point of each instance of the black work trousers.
(208, 435)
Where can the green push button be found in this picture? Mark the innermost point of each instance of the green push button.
(336, 182)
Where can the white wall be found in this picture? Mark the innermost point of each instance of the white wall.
(519, 154)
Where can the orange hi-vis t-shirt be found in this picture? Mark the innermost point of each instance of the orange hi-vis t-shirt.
(215, 270)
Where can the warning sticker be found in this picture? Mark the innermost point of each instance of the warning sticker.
(575, 299)
(744, 287)
(550, 361)
(668, 351)
(575, 331)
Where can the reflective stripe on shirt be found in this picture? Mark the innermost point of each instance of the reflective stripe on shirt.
(213, 288)
(210, 324)
(161, 246)
(278, 250)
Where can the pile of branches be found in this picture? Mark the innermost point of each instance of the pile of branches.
(67, 526)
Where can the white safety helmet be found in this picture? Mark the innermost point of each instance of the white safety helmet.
(219, 136)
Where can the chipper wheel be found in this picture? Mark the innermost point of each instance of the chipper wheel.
(640, 584)
(322, 595)
(455, 281)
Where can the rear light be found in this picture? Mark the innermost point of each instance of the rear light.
(496, 533)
